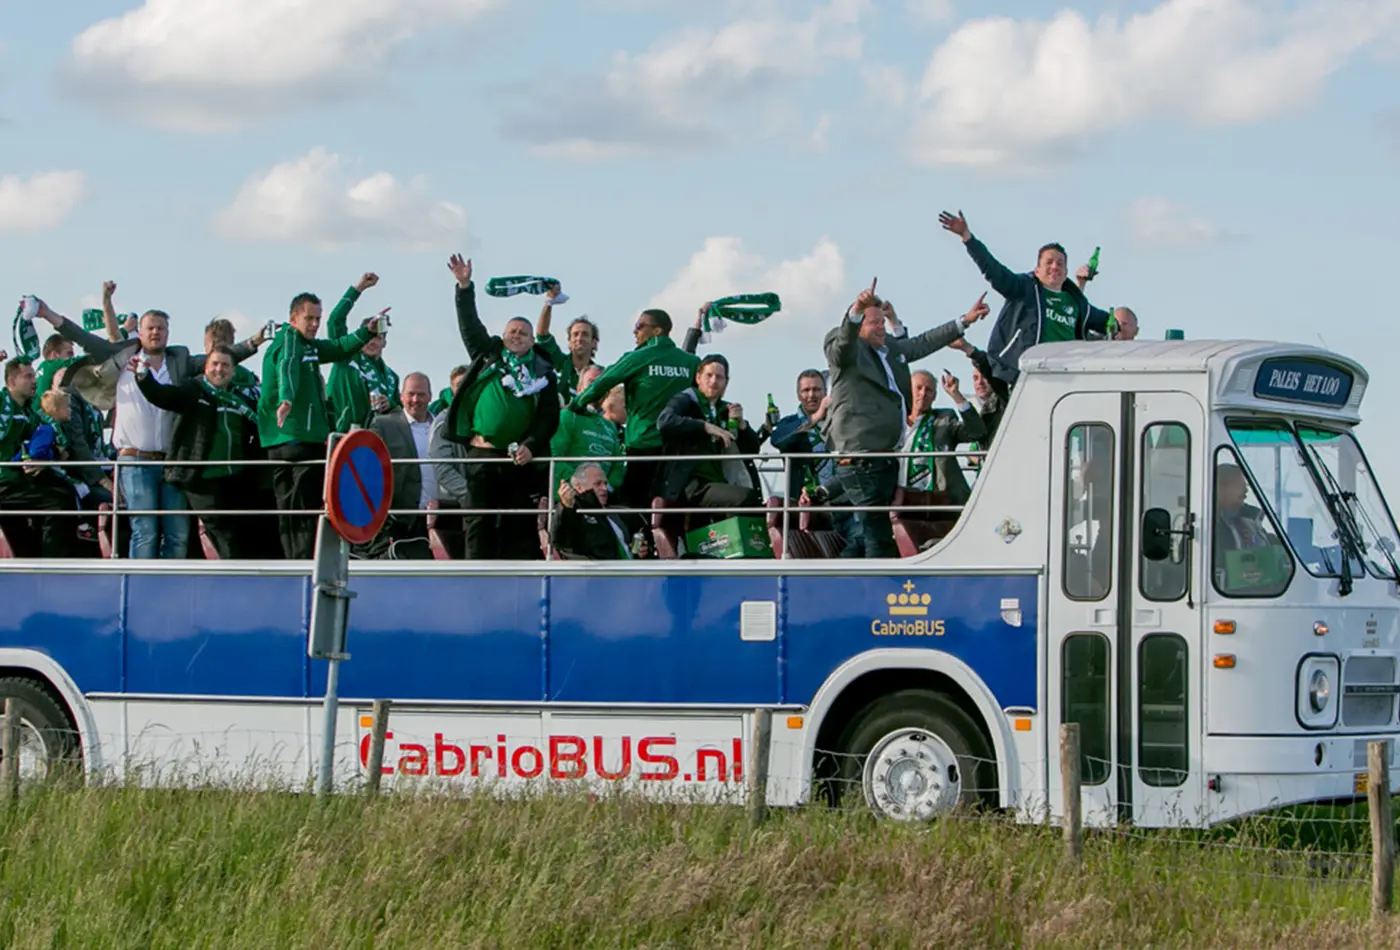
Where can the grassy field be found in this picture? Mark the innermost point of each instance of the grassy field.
(184, 869)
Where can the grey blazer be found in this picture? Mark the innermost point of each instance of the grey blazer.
(394, 429)
(98, 383)
(451, 479)
(864, 414)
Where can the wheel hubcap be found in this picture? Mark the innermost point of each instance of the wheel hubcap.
(911, 775)
(33, 754)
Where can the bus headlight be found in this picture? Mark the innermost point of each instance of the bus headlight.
(1315, 699)
(1319, 691)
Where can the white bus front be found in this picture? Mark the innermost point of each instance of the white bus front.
(1223, 617)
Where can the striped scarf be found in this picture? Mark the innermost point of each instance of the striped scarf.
(517, 376)
(748, 309)
(25, 336)
(921, 466)
(378, 377)
(510, 286)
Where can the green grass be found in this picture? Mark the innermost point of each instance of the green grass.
(101, 868)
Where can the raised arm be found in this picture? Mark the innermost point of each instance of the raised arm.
(474, 335)
(931, 341)
(170, 398)
(691, 343)
(970, 427)
(342, 348)
(616, 374)
(841, 345)
(109, 312)
(94, 346)
(338, 324)
(1003, 280)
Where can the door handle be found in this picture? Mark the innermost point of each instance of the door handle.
(1105, 617)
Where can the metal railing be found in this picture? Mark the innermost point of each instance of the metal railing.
(764, 463)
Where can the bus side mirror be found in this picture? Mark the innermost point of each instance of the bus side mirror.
(1156, 534)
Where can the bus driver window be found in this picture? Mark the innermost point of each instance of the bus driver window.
(1248, 559)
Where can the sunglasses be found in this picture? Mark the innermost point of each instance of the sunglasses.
(642, 325)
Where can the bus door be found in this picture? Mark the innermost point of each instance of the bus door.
(1123, 623)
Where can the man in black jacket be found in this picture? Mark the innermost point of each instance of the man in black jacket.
(214, 424)
(588, 527)
(507, 407)
(697, 421)
(1041, 306)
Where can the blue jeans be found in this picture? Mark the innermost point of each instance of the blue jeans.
(144, 489)
(870, 482)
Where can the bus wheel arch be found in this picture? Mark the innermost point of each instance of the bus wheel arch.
(936, 693)
(49, 744)
(58, 702)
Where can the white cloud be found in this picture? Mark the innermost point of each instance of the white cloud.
(215, 65)
(820, 138)
(1058, 84)
(1157, 222)
(667, 98)
(40, 202)
(314, 200)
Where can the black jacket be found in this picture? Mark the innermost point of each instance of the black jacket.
(484, 350)
(1018, 325)
(682, 429)
(995, 407)
(583, 530)
(194, 429)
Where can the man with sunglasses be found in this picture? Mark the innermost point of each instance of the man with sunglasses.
(650, 375)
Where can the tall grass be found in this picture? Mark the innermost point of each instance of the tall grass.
(100, 868)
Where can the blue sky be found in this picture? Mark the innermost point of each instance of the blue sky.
(1238, 160)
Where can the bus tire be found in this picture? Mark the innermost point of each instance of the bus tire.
(48, 740)
(915, 755)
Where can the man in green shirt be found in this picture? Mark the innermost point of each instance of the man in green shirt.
(583, 346)
(220, 332)
(364, 385)
(506, 410)
(1042, 306)
(595, 433)
(30, 489)
(650, 375)
(293, 421)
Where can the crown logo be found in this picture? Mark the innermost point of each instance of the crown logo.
(908, 604)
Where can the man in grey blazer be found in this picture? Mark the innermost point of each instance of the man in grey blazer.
(869, 356)
(141, 432)
(406, 434)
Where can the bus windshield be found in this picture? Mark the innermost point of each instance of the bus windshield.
(1346, 472)
(1271, 452)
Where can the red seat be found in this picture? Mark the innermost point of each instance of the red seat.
(663, 530)
(775, 524)
(5, 550)
(434, 539)
(916, 530)
(210, 554)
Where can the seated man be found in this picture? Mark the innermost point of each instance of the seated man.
(1247, 553)
(589, 527)
(697, 421)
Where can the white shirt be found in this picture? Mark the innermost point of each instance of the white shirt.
(140, 425)
(420, 444)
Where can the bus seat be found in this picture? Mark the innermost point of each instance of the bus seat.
(774, 518)
(914, 531)
(434, 539)
(205, 544)
(104, 530)
(5, 550)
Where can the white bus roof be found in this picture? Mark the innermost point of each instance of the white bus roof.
(1245, 374)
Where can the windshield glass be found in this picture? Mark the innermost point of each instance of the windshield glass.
(1271, 453)
(1346, 472)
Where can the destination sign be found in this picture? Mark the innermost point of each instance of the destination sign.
(1302, 380)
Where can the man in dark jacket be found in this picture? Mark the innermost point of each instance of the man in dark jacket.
(215, 424)
(589, 527)
(507, 407)
(697, 421)
(1041, 306)
(870, 400)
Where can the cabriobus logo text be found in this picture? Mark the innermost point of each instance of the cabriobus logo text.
(908, 604)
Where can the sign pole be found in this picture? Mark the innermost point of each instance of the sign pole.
(358, 492)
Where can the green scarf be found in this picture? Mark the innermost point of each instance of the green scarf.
(230, 400)
(378, 377)
(25, 336)
(510, 286)
(516, 375)
(747, 309)
(921, 466)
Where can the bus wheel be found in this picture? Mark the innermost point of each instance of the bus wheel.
(48, 743)
(917, 755)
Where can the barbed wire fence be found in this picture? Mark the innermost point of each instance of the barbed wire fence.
(1307, 858)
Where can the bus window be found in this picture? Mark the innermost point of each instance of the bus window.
(1088, 553)
(1166, 456)
(1162, 752)
(1248, 558)
(1084, 699)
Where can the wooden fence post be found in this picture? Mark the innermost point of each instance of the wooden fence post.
(1069, 787)
(380, 726)
(10, 749)
(1382, 827)
(759, 749)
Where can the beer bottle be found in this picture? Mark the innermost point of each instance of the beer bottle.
(773, 416)
(1094, 263)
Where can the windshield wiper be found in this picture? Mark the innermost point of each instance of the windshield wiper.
(1382, 542)
(1348, 533)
